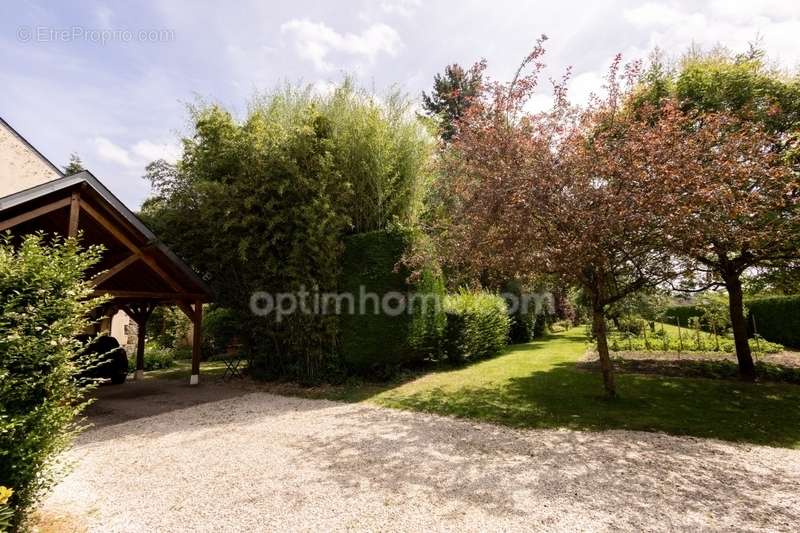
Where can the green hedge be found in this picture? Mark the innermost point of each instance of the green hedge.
(777, 318)
(683, 313)
(477, 326)
(374, 343)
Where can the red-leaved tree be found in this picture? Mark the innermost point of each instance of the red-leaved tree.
(568, 192)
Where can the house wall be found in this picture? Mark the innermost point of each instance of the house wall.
(20, 166)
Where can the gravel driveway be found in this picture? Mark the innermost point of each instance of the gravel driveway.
(258, 462)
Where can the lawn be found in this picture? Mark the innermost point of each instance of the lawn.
(538, 385)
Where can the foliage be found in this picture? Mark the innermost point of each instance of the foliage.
(220, 327)
(689, 339)
(477, 326)
(522, 320)
(452, 94)
(74, 166)
(777, 318)
(376, 342)
(740, 209)
(263, 205)
(43, 305)
(168, 327)
(247, 206)
(577, 204)
(156, 357)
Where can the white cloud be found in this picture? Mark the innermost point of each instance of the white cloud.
(148, 151)
(316, 41)
(108, 151)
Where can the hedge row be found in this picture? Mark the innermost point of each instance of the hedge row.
(477, 326)
(374, 342)
(777, 318)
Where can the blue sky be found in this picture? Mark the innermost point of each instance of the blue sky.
(121, 103)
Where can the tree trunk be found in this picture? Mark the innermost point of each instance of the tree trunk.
(747, 370)
(599, 326)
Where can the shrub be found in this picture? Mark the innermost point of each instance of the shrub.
(523, 320)
(372, 342)
(220, 326)
(43, 307)
(168, 326)
(777, 318)
(156, 357)
(477, 326)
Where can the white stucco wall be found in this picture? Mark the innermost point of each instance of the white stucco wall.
(20, 167)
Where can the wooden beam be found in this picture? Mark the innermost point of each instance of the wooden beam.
(147, 295)
(114, 270)
(197, 341)
(111, 228)
(36, 213)
(133, 248)
(74, 213)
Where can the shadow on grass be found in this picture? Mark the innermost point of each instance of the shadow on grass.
(564, 397)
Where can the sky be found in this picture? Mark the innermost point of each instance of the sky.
(111, 81)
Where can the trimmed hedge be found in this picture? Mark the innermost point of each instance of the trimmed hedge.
(683, 313)
(777, 318)
(376, 343)
(477, 326)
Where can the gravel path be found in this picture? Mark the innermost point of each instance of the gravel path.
(260, 462)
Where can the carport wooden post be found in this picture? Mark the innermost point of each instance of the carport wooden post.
(140, 314)
(197, 340)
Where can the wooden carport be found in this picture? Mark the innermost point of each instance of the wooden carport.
(137, 271)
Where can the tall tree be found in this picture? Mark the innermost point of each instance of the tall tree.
(74, 166)
(562, 193)
(451, 96)
(739, 210)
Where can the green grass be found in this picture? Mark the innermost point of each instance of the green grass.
(537, 385)
(182, 368)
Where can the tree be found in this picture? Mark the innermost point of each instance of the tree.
(452, 94)
(44, 301)
(737, 212)
(74, 166)
(563, 193)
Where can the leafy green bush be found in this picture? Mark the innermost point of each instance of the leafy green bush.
(220, 326)
(477, 326)
(372, 342)
(43, 307)
(523, 320)
(689, 341)
(156, 357)
(168, 326)
(777, 318)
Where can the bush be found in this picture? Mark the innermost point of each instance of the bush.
(43, 305)
(372, 342)
(777, 318)
(220, 326)
(477, 326)
(168, 326)
(523, 320)
(155, 358)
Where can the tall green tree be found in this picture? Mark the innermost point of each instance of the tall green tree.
(74, 166)
(452, 94)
